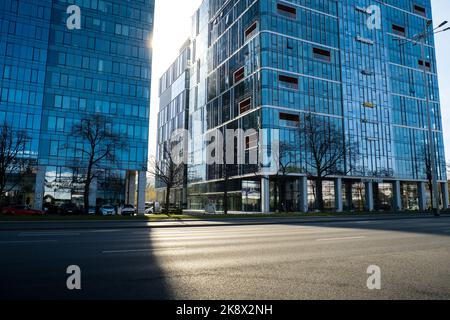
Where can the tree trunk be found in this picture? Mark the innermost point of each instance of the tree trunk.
(430, 186)
(225, 198)
(166, 209)
(283, 195)
(225, 190)
(87, 186)
(275, 195)
(319, 194)
(225, 173)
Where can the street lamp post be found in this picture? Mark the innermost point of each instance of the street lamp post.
(422, 37)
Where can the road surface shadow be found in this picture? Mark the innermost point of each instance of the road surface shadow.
(114, 265)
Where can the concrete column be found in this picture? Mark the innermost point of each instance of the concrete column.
(93, 193)
(349, 195)
(39, 188)
(445, 195)
(397, 201)
(131, 188)
(303, 194)
(369, 196)
(422, 196)
(265, 195)
(142, 186)
(339, 205)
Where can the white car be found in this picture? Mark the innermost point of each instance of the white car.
(153, 208)
(107, 210)
(127, 210)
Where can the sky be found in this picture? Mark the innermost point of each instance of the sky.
(172, 28)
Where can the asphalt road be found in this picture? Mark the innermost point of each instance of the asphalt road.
(326, 260)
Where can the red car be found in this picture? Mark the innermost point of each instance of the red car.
(21, 211)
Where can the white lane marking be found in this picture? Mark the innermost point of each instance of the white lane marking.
(45, 234)
(140, 250)
(343, 238)
(237, 236)
(126, 251)
(28, 241)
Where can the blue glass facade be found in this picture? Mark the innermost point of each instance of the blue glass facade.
(52, 77)
(269, 64)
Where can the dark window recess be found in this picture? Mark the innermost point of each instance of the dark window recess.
(290, 44)
(289, 82)
(239, 75)
(398, 30)
(420, 10)
(322, 54)
(247, 142)
(251, 142)
(245, 105)
(286, 11)
(427, 64)
(291, 119)
(250, 30)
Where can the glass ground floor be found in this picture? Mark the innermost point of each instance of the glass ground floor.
(177, 197)
(299, 194)
(58, 185)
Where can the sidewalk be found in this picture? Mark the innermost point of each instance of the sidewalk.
(169, 223)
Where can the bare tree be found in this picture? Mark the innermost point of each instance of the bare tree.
(13, 163)
(327, 152)
(169, 171)
(285, 164)
(425, 156)
(98, 148)
(284, 161)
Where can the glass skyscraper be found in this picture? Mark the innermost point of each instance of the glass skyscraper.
(173, 115)
(52, 76)
(270, 64)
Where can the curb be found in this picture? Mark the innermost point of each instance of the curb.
(200, 223)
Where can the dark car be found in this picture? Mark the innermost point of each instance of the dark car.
(69, 209)
(50, 208)
(172, 209)
(21, 211)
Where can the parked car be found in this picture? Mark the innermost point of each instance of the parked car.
(127, 210)
(69, 209)
(21, 211)
(107, 210)
(172, 209)
(149, 210)
(92, 211)
(152, 207)
(50, 208)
